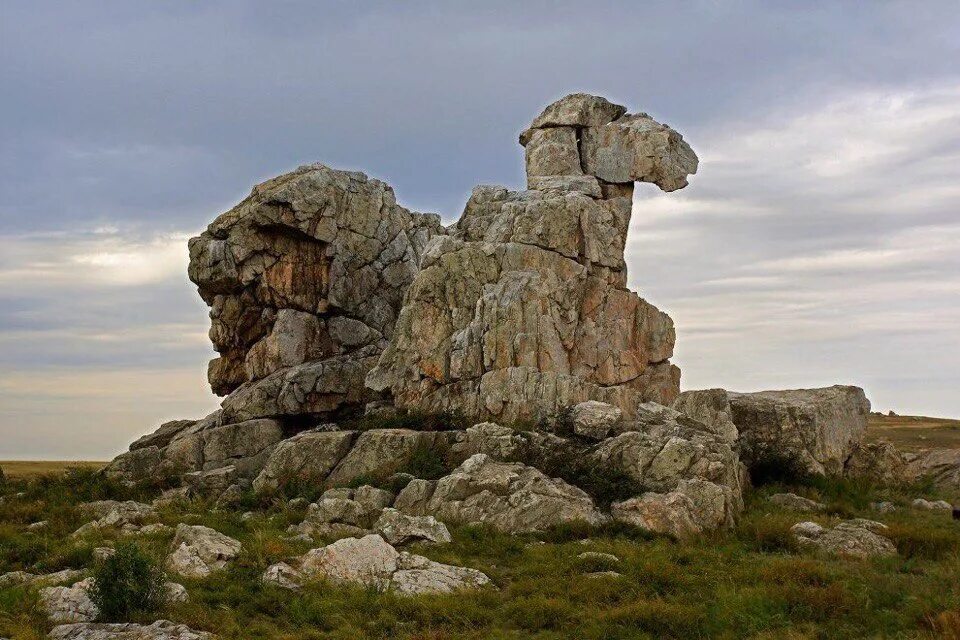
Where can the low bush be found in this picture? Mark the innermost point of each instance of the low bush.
(127, 584)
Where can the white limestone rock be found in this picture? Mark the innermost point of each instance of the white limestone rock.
(199, 551)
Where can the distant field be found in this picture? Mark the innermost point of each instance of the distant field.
(28, 468)
(911, 433)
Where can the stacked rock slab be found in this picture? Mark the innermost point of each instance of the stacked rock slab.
(305, 279)
(523, 309)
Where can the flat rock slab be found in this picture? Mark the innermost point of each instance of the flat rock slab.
(160, 630)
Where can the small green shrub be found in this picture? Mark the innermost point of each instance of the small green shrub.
(127, 584)
(605, 485)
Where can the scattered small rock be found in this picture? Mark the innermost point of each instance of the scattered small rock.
(857, 538)
(175, 593)
(603, 574)
(596, 556)
(37, 526)
(103, 553)
(282, 575)
(796, 503)
(298, 503)
(159, 630)
(883, 507)
(398, 528)
(932, 505)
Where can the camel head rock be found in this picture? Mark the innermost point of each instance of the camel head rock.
(522, 309)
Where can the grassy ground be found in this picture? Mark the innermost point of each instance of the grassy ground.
(34, 468)
(911, 433)
(751, 582)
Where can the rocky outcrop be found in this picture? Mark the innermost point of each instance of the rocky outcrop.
(857, 538)
(200, 551)
(523, 310)
(815, 430)
(310, 268)
(941, 466)
(673, 453)
(511, 497)
(160, 630)
(373, 562)
(24, 578)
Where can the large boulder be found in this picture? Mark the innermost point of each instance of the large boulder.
(210, 444)
(309, 456)
(879, 461)
(311, 266)
(511, 497)
(816, 429)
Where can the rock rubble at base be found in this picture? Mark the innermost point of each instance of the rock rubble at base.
(373, 562)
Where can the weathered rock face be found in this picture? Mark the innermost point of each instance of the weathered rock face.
(818, 430)
(511, 497)
(523, 310)
(310, 268)
(710, 407)
(200, 551)
(880, 461)
(942, 466)
(585, 134)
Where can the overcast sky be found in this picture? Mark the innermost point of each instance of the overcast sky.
(818, 243)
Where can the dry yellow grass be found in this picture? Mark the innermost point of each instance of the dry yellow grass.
(911, 433)
(31, 468)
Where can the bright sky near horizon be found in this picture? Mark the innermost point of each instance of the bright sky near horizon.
(816, 245)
